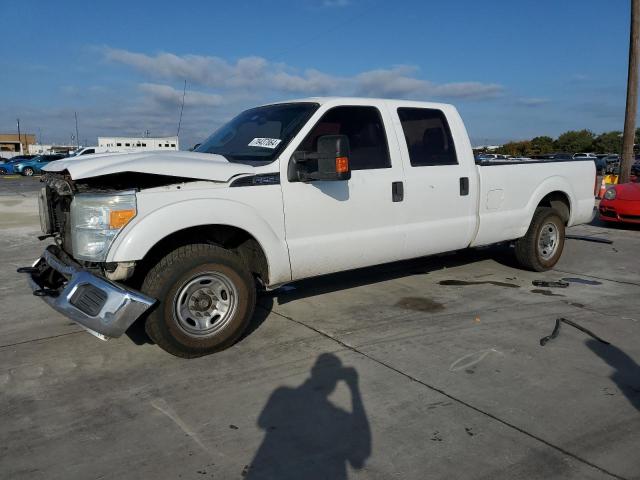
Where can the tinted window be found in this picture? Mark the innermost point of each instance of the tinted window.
(88, 152)
(363, 126)
(428, 137)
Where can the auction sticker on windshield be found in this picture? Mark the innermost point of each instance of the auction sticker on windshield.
(265, 142)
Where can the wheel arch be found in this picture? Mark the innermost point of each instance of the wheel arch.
(560, 202)
(229, 237)
(231, 225)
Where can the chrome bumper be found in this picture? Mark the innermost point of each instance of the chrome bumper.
(102, 307)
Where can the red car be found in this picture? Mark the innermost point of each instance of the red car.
(621, 203)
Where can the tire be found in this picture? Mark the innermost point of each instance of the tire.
(194, 284)
(3, 171)
(28, 172)
(540, 249)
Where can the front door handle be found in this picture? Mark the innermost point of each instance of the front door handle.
(397, 191)
(464, 186)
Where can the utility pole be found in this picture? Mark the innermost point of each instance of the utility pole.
(628, 137)
(77, 136)
(19, 138)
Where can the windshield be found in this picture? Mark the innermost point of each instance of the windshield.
(259, 134)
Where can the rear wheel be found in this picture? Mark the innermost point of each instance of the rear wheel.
(28, 171)
(541, 248)
(206, 300)
(2, 171)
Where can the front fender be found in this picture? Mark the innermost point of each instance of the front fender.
(139, 236)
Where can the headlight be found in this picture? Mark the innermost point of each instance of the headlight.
(610, 194)
(96, 220)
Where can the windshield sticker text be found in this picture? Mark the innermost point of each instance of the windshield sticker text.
(265, 142)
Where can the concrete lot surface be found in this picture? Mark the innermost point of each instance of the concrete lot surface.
(417, 370)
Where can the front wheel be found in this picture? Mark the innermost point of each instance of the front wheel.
(540, 249)
(206, 300)
(28, 172)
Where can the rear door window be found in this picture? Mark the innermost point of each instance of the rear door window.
(428, 137)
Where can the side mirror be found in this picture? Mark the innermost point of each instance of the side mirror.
(329, 163)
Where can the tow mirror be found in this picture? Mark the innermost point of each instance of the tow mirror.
(330, 162)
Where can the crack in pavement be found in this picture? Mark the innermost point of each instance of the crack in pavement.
(39, 339)
(456, 399)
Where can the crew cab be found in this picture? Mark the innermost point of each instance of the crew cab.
(286, 191)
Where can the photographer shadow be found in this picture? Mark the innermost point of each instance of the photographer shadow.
(306, 435)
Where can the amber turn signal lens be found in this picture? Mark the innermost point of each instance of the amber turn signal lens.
(342, 164)
(119, 218)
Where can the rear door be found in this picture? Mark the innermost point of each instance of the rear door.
(341, 225)
(441, 188)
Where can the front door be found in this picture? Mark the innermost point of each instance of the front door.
(340, 225)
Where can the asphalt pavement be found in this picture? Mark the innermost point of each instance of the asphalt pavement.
(424, 369)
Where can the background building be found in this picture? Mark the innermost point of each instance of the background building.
(140, 143)
(10, 143)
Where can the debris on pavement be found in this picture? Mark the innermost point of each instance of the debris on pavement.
(556, 331)
(583, 281)
(588, 238)
(550, 284)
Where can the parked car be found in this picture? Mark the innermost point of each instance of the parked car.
(613, 162)
(34, 165)
(582, 156)
(96, 150)
(621, 203)
(280, 193)
(553, 156)
(7, 167)
(635, 169)
(601, 166)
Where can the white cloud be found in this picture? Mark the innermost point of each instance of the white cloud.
(532, 102)
(336, 3)
(164, 94)
(252, 74)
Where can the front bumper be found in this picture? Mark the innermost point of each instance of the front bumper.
(104, 308)
(618, 210)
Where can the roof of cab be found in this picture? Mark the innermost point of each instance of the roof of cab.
(363, 100)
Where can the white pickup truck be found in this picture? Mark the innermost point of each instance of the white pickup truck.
(182, 240)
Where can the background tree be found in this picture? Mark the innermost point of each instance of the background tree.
(516, 149)
(608, 142)
(541, 145)
(575, 141)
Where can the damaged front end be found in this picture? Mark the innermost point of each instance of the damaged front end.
(72, 276)
(104, 308)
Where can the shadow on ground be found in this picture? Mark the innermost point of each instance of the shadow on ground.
(626, 373)
(354, 278)
(306, 435)
(390, 271)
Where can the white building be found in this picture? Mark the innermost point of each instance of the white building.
(39, 148)
(139, 143)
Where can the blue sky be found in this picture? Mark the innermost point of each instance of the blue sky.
(514, 69)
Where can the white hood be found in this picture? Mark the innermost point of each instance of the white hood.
(202, 166)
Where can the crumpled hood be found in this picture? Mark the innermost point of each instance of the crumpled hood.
(628, 191)
(201, 166)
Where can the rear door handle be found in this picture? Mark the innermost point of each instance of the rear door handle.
(397, 191)
(464, 186)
